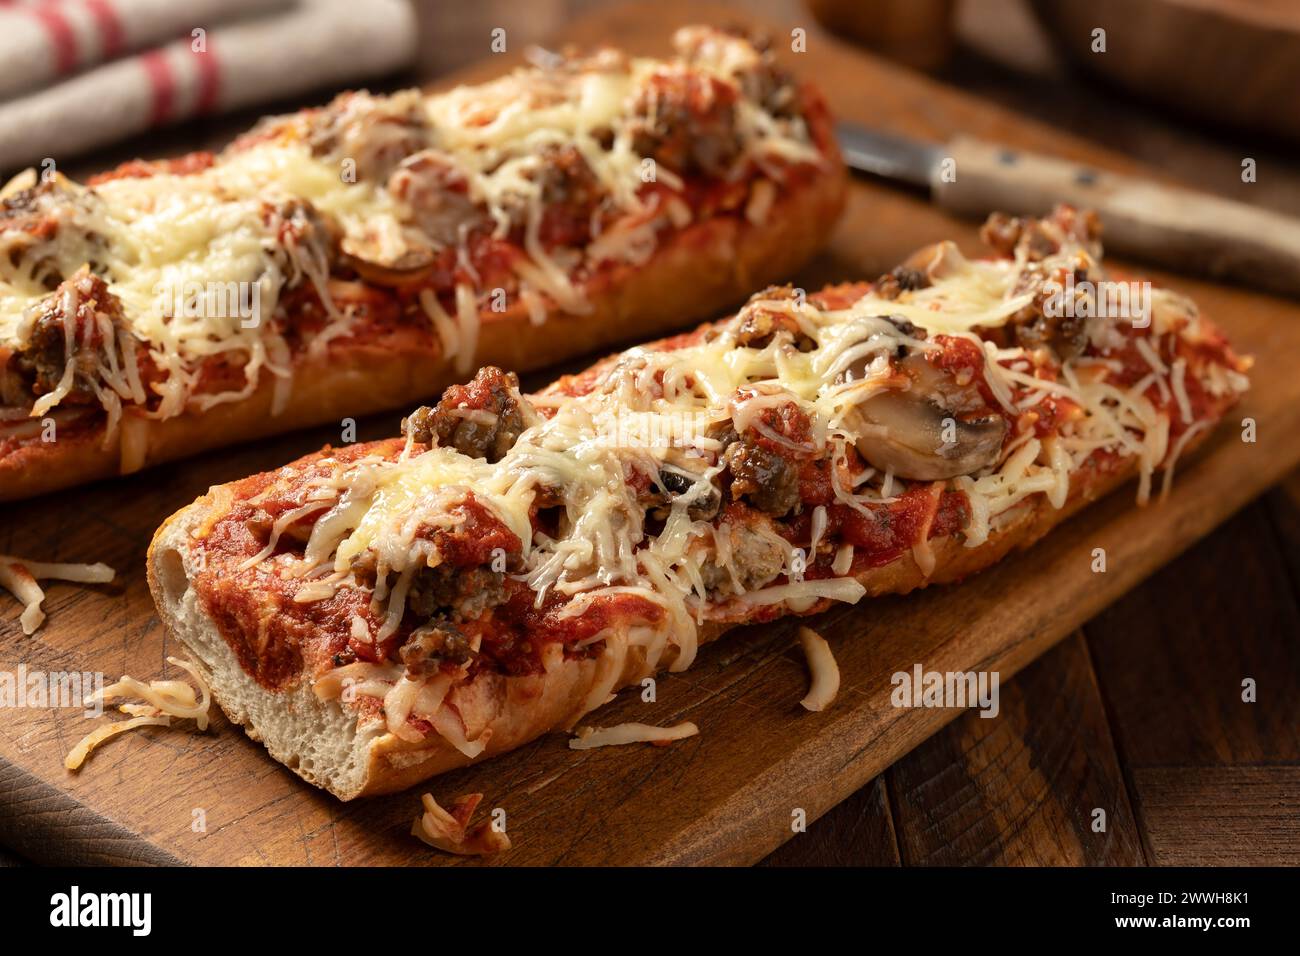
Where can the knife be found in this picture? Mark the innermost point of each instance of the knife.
(1178, 228)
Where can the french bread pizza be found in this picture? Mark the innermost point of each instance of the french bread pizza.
(379, 613)
(366, 254)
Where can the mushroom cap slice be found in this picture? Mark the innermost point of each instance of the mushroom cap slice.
(916, 438)
(929, 429)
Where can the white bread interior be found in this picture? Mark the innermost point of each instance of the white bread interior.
(314, 738)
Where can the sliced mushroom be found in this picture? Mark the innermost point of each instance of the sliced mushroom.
(309, 237)
(434, 215)
(375, 133)
(934, 263)
(433, 196)
(387, 260)
(900, 279)
(703, 503)
(927, 430)
(411, 268)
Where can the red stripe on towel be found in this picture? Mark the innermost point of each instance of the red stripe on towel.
(162, 83)
(111, 36)
(62, 39)
(209, 78)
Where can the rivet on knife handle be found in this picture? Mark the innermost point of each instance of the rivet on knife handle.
(1178, 228)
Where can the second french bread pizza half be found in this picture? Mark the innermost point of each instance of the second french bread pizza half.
(364, 255)
(380, 613)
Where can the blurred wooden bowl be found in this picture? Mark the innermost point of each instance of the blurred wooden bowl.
(917, 33)
(1235, 62)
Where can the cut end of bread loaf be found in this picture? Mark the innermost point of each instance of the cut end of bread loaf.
(316, 739)
(322, 740)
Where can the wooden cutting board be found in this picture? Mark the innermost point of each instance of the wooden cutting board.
(726, 796)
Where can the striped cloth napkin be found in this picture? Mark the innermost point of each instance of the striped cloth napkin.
(78, 74)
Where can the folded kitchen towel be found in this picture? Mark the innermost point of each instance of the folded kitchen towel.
(309, 45)
(43, 40)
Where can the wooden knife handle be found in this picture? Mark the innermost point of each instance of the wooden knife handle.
(1177, 228)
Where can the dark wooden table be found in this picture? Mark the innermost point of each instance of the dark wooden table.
(1130, 712)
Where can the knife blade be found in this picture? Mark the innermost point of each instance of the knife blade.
(888, 156)
(1181, 229)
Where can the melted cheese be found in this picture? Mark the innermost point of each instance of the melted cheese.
(161, 239)
(156, 239)
(450, 831)
(651, 409)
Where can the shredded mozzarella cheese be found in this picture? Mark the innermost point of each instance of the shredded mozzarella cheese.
(18, 576)
(589, 738)
(450, 832)
(825, 672)
(165, 699)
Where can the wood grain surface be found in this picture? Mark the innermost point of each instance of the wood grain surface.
(729, 795)
(1000, 780)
